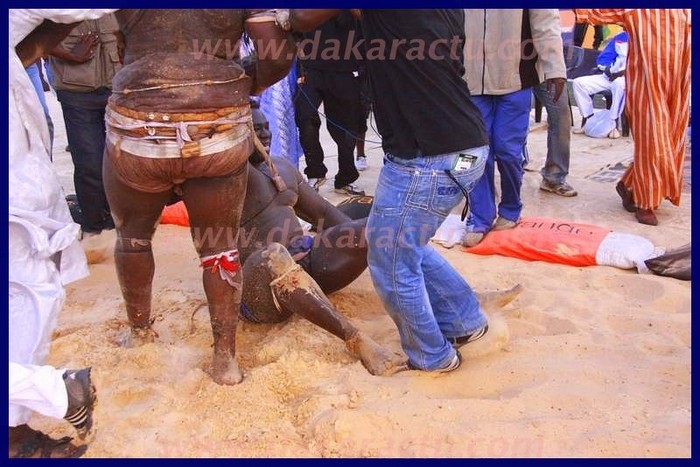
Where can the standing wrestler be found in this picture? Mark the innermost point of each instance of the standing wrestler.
(179, 121)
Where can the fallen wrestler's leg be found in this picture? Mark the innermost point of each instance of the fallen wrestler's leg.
(275, 287)
(135, 216)
(338, 255)
(214, 206)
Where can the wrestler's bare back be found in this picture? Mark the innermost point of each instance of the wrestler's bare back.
(166, 48)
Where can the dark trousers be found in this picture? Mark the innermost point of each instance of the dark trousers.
(84, 117)
(580, 30)
(340, 95)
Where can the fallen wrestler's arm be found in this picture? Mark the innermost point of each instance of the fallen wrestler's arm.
(310, 206)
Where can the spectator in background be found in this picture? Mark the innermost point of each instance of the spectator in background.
(35, 74)
(277, 104)
(366, 108)
(83, 66)
(500, 80)
(556, 165)
(612, 63)
(332, 79)
(580, 30)
(658, 103)
(44, 253)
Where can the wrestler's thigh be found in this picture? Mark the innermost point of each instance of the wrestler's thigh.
(214, 205)
(135, 213)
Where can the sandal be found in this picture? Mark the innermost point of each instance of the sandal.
(626, 196)
(39, 445)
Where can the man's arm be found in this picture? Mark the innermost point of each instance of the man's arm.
(275, 51)
(42, 40)
(546, 38)
(305, 20)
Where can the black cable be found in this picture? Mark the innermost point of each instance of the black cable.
(337, 125)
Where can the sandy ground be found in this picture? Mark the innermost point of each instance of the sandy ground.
(597, 363)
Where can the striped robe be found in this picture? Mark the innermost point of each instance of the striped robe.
(658, 97)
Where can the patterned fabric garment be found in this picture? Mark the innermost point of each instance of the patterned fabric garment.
(277, 103)
(658, 97)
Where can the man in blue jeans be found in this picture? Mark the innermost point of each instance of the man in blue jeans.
(435, 147)
(508, 52)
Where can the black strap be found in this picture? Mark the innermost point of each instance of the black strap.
(465, 211)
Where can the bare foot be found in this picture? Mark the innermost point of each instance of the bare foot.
(225, 370)
(27, 442)
(490, 301)
(378, 360)
(136, 337)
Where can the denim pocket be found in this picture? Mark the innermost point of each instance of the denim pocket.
(393, 186)
(445, 194)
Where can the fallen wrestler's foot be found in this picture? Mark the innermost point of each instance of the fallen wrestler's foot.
(225, 370)
(491, 301)
(626, 196)
(26, 442)
(646, 216)
(137, 336)
(378, 360)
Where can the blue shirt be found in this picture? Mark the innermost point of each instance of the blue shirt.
(608, 56)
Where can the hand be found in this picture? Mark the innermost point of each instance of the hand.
(556, 85)
(614, 76)
(84, 49)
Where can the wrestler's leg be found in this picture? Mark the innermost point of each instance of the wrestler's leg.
(275, 287)
(338, 255)
(214, 206)
(136, 216)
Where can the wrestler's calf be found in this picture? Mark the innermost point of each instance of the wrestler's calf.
(133, 259)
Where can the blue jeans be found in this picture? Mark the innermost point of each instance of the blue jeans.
(556, 166)
(507, 119)
(424, 295)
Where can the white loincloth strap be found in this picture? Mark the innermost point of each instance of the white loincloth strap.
(179, 145)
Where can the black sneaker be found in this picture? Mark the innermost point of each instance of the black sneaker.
(81, 400)
(316, 183)
(458, 342)
(350, 189)
(453, 365)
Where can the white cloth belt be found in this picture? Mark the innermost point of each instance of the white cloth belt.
(170, 147)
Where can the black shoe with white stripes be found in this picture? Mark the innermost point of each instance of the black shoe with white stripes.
(81, 400)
